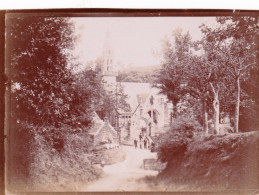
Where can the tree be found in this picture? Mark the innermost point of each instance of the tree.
(198, 87)
(249, 112)
(42, 90)
(184, 74)
(86, 92)
(170, 78)
(206, 69)
(111, 97)
(38, 56)
(237, 35)
(214, 59)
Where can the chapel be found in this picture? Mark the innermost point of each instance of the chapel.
(150, 111)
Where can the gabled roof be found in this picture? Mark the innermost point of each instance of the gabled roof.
(135, 91)
(109, 126)
(97, 124)
(132, 89)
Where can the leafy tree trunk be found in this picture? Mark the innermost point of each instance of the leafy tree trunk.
(174, 114)
(152, 121)
(205, 118)
(216, 113)
(216, 108)
(237, 105)
(175, 111)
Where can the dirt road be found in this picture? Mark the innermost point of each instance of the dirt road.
(124, 176)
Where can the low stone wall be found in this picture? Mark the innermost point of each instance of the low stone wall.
(107, 156)
(153, 164)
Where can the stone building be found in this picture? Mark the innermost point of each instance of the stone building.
(102, 132)
(150, 112)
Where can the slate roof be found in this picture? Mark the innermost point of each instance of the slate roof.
(97, 123)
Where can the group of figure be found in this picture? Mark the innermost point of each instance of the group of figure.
(143, 142)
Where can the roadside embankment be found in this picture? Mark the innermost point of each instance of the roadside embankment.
(212, 162)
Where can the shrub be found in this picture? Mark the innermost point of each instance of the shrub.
(59, 170)
(186, 123)
(214, 162)
(19, 155)
(49, 159)
(174, 143)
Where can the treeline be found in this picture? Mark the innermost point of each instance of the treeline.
(207, 80)
(49, 105)
(135, 76)
(217, 74)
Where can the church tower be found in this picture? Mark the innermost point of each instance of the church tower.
(109, 74)
(109, 71)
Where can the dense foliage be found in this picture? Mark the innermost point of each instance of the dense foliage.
(217, 72)
(210, 163)
(110, 99)
(171, 76)
(235, 43)
(37, 63)
(174, 143)
(50, 107)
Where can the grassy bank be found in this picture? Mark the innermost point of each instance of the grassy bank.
(212, 162)
(50, 162)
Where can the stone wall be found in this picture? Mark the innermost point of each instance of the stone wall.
(154, 164)
(107, 156)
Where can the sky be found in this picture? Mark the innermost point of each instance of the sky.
(136, 41)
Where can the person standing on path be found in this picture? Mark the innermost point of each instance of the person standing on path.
(145, 143)
(135, 143)
(152, 149)
(140, 140)
(140, 137)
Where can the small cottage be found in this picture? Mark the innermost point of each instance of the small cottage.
(102, 132)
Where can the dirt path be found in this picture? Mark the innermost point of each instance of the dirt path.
(124, 176)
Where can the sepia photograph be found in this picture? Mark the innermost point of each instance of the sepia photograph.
(132, 101)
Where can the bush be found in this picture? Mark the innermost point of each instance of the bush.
(49, 159)
(174, 143)
(214, 162)
(186, 123)
(68, 169)
(19, 155)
